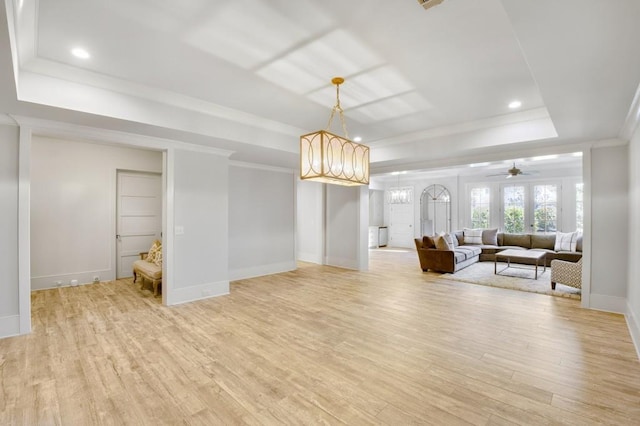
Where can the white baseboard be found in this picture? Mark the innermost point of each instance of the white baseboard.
(310, 257)
(198, 292)
(633, 323)
(602, 302)
(259, 271)
(49, 281)
(9, 326)
(342, 263)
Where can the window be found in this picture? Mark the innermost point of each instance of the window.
(545, 208)
(513, 204)
(579, 207)
(480, 207)
(530, 207)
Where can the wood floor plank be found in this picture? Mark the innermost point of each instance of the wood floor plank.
(320, 345)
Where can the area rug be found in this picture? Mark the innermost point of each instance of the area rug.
(517, 279)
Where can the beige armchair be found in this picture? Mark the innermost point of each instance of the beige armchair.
(567, 273)
(149, 267)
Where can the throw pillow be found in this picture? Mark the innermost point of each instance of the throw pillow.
(158, 258)
(472, 236)
(155, 247)
(566, 241)
(490, 237)
(444, 242)
(428, 242)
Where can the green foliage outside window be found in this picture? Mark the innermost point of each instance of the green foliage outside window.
(514, 219)
(545, 219)
(480, 217)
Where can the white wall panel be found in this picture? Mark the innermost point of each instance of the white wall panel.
(609, 221)
(261, 221)
(9, 304)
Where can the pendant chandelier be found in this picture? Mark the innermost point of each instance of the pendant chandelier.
(329, 158)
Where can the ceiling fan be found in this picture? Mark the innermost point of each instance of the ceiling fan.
(513, 171)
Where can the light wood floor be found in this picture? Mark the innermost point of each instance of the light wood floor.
(320, 345)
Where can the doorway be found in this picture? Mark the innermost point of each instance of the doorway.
(138, 217)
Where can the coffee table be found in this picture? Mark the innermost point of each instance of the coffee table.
(510, 255)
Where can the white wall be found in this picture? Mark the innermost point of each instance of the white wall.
(376, 207)
(9, 306)
(633, 276)
(609, 228)
(200, 219)
(261, 221)
(346, 226)
(310, 221)
(73, 198)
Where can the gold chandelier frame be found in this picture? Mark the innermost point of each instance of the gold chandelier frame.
(329, 158)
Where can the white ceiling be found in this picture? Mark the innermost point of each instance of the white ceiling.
(424, 88)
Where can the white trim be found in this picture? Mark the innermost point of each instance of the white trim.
(6, 120)
(586, 229)
(110, 137)
(24, 229)
(603, 302)
(363, 228)
(261, 167)
(310, 257)
(467, 127)
(199, 292)
(633, 323)
(342, 262)
(10, 326)
(258, 271)
(83, 278)
(632, 121)
(168, 222)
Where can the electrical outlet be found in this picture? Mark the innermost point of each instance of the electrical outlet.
(96, 279)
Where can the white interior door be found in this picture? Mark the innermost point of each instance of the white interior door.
(139, 217)
(401, 227)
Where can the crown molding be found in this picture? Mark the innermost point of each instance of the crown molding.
(6, 120)
(50, 128)
(261, 167)
(468, 127)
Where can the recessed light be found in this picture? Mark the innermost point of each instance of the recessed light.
(79, 52)
(479, 164)
(357, 139)
(515, 104)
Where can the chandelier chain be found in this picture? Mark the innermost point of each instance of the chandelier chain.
(338, 108)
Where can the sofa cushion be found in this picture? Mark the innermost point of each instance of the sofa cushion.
(472, 236)
(459, 256)
(490, 237)
(566, 241)
(447, 243)
(520, 240)
(458, 238)
(468, 251)
(543, 241)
